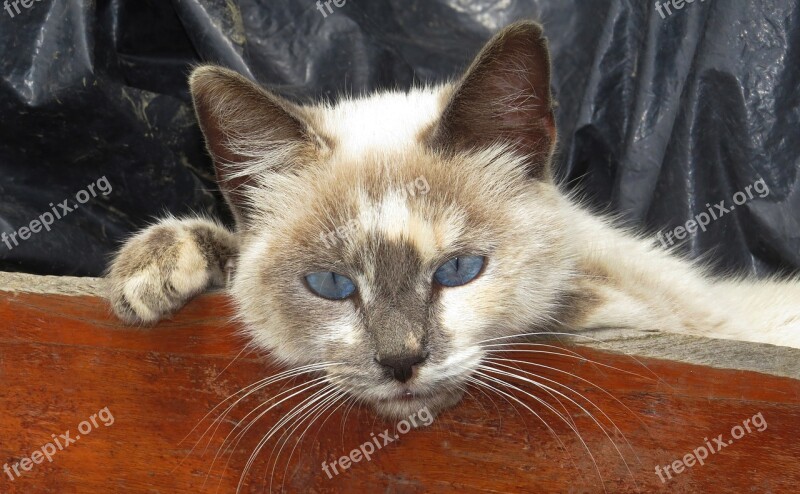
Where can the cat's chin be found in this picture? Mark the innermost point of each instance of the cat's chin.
(404, 407)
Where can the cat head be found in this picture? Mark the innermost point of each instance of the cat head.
(391, 238)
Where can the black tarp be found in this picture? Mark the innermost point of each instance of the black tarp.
(660, 113)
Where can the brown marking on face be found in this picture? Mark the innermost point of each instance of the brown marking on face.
(482, 201)
(333, 198)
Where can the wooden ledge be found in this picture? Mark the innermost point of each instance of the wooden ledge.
(63, 358)
(720, 354)
(51, 285)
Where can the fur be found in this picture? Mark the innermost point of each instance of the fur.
(483, 146)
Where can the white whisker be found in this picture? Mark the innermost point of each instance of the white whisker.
(326, 405)
(248, 390)
(582, 408)
(552, 410)
(599, 388)
(572, 355)
(298, 409)
(577, 335)
(303, 387)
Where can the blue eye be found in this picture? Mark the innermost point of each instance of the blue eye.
(330, 285)
(459, 270)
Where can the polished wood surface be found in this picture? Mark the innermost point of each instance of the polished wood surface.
(64, 358)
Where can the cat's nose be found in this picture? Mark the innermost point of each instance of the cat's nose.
(401, 367)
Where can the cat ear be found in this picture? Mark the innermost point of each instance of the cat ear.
(504, 97)
(249, 132)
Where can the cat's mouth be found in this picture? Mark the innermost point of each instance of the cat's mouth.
(406, 396)
(402, 403)
(435, 391)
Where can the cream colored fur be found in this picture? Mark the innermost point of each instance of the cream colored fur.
(642, 286)
(293, 174)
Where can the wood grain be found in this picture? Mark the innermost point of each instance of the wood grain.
(63, 358)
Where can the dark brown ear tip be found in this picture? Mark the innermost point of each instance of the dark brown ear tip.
(203, 76)
(205, 70)
(525, 28)
(523, 38)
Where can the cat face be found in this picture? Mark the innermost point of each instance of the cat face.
(394, 245)
(394, 237)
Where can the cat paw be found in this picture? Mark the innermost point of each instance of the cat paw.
(164, 266)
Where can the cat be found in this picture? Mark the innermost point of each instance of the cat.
(400, 309)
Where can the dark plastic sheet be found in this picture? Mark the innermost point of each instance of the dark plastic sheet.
(658, 116)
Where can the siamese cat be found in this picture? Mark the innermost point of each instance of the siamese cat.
(452, 235)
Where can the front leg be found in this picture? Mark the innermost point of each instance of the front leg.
(162, 267)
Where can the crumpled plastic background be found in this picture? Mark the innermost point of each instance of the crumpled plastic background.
(660, 113)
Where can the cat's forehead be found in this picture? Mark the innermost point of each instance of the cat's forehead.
(375, 220)
(389, 121)
(414, 198)
(387, 187)
(406, 215)
(394, 217)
